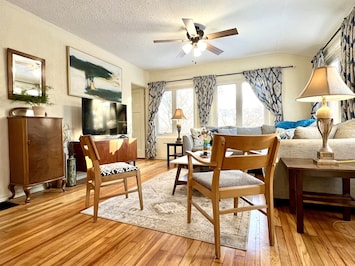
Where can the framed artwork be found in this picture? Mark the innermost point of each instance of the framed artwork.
(90, 77)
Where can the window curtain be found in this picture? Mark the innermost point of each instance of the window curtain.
(205, 86)
(347, 63)
(267, 85)
(156, 90)
(318, 61)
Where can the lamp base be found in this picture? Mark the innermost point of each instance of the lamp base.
(325, 162)
(325, 158)
(178, 140)
(325, 155)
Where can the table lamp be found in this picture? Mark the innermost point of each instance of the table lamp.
(178, 115)
(325, 85)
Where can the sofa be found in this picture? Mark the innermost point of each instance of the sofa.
(300, 142)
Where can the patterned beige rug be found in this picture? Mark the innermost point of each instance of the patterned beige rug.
(167, 213)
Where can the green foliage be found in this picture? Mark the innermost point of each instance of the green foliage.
(43, 97)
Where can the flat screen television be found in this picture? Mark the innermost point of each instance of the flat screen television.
(100, 117)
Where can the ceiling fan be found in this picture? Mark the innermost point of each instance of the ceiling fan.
(196, 39)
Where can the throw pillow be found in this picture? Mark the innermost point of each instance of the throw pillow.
(299, 123)
(345, 130)
(311, 133)
(285, 133)
(195, 133)
(307, 133)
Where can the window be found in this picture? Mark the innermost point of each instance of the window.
(172, 99)
(253, 109)
(233, 104)
(165, 114)
(227, 105)
(237, 104)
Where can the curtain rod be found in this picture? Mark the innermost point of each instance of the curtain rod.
(331, 38)
(220, 75)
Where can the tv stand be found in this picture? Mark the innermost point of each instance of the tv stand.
(110, 151)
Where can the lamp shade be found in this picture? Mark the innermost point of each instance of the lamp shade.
(325, 82)
(179, 114)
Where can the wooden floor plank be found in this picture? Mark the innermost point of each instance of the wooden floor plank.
(52, 231)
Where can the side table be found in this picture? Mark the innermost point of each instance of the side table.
(175, 152)
(306, 168)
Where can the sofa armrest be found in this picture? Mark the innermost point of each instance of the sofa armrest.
(188, 143)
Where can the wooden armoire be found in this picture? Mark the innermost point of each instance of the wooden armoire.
(36, 152)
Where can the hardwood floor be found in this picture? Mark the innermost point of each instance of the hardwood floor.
(51, 231)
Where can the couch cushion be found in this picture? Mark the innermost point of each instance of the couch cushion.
(228, 130)
(345, 130)
(311, 133)
(249, 131)
(268, 129)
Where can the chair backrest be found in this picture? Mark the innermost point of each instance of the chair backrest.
(89, 149)
(253, 152)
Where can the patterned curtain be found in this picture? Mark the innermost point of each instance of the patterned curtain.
(347, 63)
(318, 61)
(205, 87)
(156, 90)
(267, 85)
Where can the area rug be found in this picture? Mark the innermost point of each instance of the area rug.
(165, 212)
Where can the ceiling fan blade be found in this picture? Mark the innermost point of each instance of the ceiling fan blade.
(214, 49)
(181, 54)
(190, 26)
(173, 40)
(221, 34)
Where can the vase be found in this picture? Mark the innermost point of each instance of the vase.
(39, 110)
(206, 147)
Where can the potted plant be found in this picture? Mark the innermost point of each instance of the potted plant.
(36, 97)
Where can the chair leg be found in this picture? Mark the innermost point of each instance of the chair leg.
(189, 202)
(235, 203)
(125, 186)
(270, 219)
(96, 201)
(139, 187)
(216, 226)
(88, 189)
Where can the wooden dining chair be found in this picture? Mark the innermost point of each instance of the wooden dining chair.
(229, 178)
(106, 174)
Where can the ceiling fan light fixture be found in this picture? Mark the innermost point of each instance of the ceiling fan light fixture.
(187, 48)
(202, 46)
(197, 51)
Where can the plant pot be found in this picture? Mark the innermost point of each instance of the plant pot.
(39, 110)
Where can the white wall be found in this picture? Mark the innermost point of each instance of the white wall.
(293, 81)
(27, 33)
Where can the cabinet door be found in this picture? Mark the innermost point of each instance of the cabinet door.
(107, 150)
(126, 150)
(45, 149)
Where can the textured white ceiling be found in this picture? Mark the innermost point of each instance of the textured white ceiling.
(127, 28)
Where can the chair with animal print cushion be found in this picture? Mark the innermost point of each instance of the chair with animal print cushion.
(99, 176)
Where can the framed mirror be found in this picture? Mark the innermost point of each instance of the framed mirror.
(25, 75)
